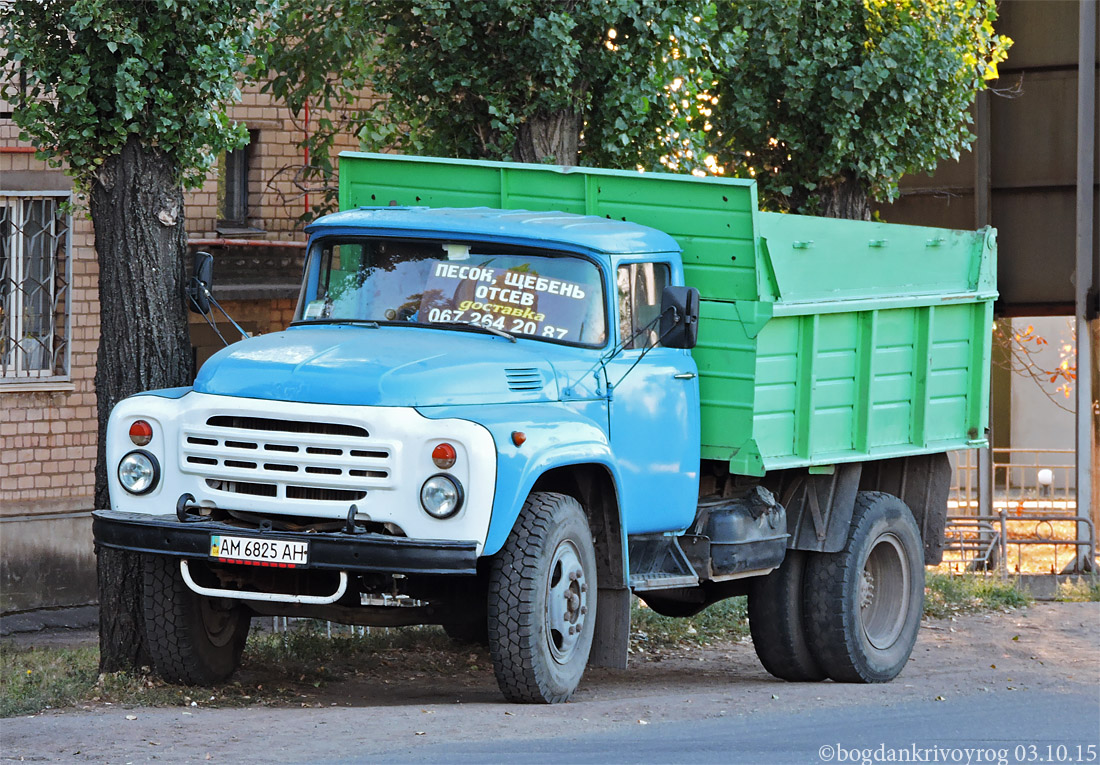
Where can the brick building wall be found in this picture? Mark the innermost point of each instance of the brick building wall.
(48, 427)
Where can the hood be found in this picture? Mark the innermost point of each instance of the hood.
(385, 366)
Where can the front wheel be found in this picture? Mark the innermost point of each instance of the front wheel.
(542, 601)
(193, 639)
(864, 604)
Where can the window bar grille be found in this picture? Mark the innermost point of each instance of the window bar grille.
(34, 287)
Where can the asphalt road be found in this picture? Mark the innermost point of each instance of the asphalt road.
(998, 728)
(1021, 686)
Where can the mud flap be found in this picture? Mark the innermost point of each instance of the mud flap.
(612, 638)
(922, 482)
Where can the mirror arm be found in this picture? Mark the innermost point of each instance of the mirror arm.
(216, 304)
(676, 320)
(198, 285)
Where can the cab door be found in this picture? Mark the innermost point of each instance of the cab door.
(654, 407)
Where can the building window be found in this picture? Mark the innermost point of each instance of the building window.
(233, 197)
(35, 274)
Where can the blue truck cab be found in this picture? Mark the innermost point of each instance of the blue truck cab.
(509, 422)
(444, 367)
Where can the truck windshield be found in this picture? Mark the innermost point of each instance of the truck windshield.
(540, 295)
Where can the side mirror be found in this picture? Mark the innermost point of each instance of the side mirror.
(679, 317)
(198, 287)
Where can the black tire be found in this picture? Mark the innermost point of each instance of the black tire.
(193, 639)
(542, 585)
(863, 605)
(777, 622)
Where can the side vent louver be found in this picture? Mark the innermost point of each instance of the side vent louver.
(523, 380)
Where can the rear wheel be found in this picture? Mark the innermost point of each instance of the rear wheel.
(193, 639)
(864, 604)
(542, 601)
(778, 624)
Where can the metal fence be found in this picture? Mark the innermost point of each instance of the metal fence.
(1041, 479)
(1034, 506)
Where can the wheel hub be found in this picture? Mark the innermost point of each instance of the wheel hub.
(866, 589)
(566, 602)
(219, 619)
(884, 592)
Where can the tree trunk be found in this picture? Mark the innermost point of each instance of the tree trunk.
(122, 643)
(137, 210)
(846, 198)
(549, 138)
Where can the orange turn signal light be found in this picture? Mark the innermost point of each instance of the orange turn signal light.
(444, 456)
(141, 432)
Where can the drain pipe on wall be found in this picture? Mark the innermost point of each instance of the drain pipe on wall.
(305, 155)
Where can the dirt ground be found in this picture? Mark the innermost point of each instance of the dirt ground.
(1052, 647)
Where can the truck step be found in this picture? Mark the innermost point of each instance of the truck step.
(660, 581)
(659, 563)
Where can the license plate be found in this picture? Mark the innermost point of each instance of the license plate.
(259, 552)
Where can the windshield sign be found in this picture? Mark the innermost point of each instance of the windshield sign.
(513, 300)
(553, 297)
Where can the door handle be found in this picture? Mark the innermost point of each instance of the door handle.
(685, 376)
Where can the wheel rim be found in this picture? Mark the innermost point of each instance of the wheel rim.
(884, 592)
(566, 602)
(219, 619)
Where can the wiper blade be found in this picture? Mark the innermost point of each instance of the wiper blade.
(372, 323)
(376, 323)
(461, 325)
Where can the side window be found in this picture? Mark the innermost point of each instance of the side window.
(640, 287)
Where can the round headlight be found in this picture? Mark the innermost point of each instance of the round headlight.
(441, 496)
(138, 472)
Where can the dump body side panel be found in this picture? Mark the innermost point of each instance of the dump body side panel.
(846, 386)
(879, 344)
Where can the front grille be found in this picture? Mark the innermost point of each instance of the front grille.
(292, 459)
(286, 426)
(242, 487)
(323, 495)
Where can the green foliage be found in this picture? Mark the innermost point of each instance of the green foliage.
(38, 679)
(460, 79)
(320, 59)
(949, 594)
(723, 621)
(828, 90)
(97, 72)
(1083, 589)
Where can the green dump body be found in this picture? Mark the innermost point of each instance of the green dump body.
(820, 340)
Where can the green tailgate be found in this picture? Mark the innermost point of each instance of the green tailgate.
(821, 341)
